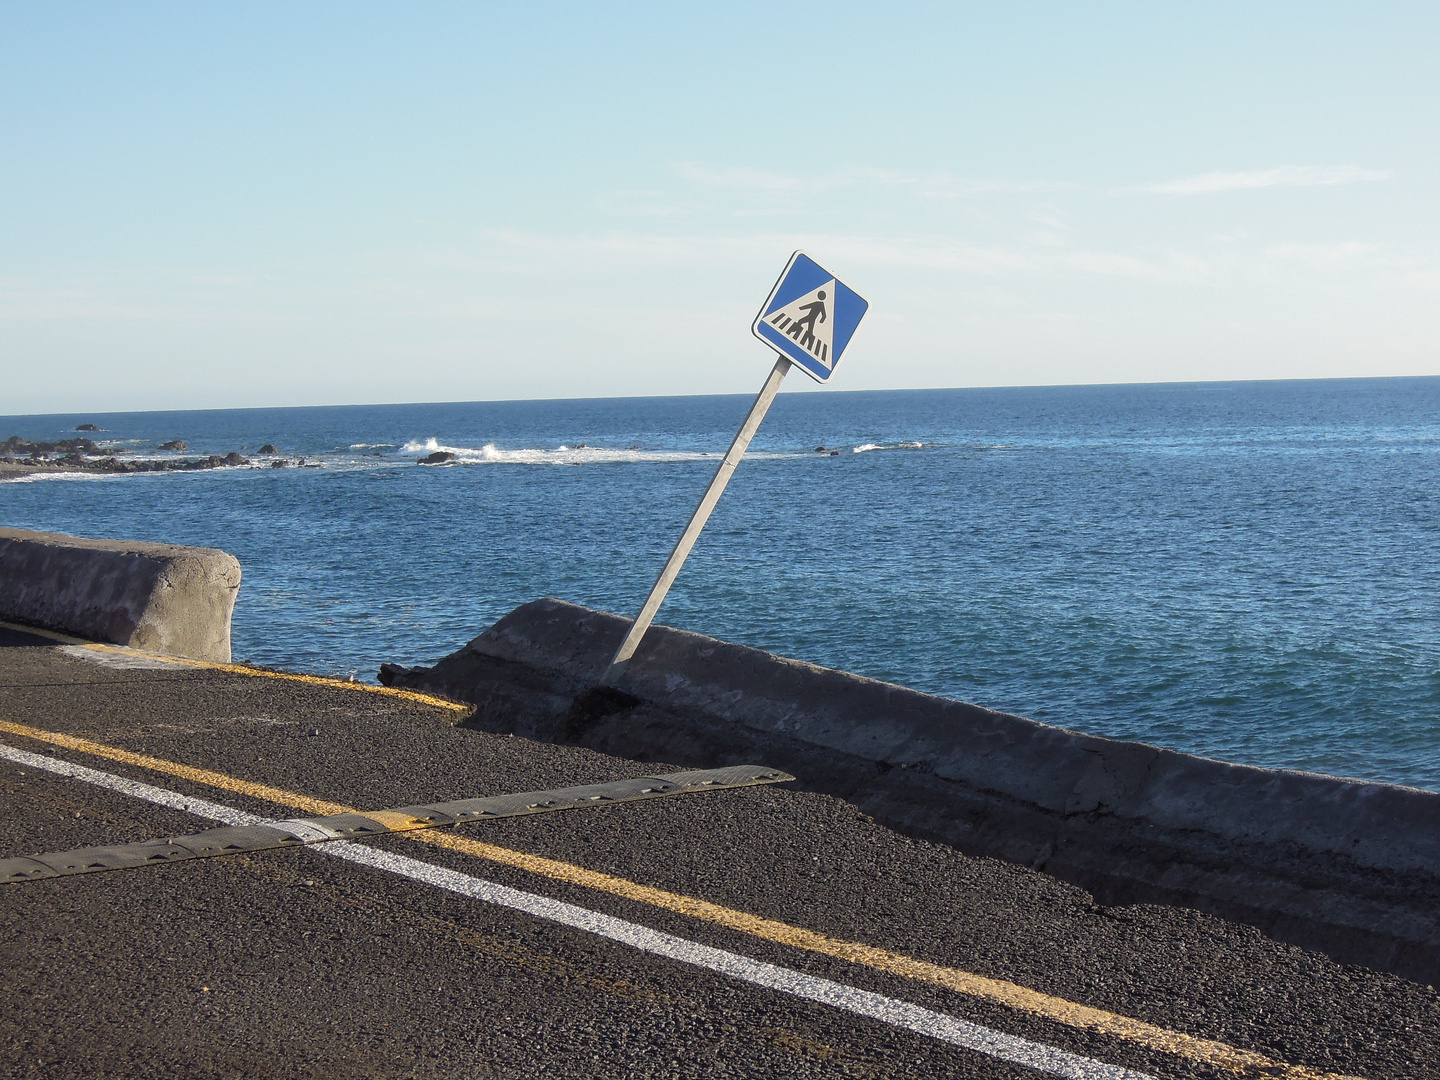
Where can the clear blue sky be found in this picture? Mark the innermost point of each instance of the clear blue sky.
(272, 204)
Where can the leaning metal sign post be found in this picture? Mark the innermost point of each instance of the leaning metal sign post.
(808, 319)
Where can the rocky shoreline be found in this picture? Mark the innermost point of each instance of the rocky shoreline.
(21, 457)
(76, 463)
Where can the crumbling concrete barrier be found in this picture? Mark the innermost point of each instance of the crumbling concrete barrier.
(158, 597)
(1341, 866)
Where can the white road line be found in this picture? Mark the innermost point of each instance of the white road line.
(896, 1013)
(159, 796)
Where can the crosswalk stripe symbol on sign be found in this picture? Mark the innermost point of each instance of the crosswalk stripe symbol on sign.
(810, 317)
(807, 322)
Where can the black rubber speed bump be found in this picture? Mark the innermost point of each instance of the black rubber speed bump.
(296, 832)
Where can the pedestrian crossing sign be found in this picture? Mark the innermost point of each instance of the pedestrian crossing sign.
(810, 317)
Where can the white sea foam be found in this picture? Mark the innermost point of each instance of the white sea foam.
(490, 454)
(87, 474)
(865, 447)
(374, 445)
(33, 478)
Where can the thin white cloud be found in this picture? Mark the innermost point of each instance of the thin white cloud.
(741, 177)
(945, 186)
(639, 202)
(1114, 264)
(949, 187)
(617, 249)
(927, 185)
(521, 251)
(1358, 261)
(1281, 176)
(1343, 256)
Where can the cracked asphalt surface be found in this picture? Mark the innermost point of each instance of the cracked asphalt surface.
(295, 964)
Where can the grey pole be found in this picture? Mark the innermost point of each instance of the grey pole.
(697, 522)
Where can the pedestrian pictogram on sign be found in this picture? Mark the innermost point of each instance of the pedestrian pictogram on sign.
(810, 316)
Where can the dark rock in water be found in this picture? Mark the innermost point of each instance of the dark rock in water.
(834, 453)
(282, 463)
(821, 450)
(86, 427)
(269, 448)
(401, 677)
(438, 458)
(16, 445)
(174, 444)
(84, 455)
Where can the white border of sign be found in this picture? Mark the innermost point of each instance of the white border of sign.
(799, 358)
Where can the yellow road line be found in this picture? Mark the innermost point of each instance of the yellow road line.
(280, 796)
(241, 669)
(1232, 1059)
(398, 822)
(37, 632)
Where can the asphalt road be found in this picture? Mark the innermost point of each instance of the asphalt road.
(297, 963)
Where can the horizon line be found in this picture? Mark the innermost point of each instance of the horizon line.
(740, 394)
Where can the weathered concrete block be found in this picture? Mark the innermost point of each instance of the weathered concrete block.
(162, 598)
(1343, 866)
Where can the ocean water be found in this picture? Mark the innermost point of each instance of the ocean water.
(1247, 571)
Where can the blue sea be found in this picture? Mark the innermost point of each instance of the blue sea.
(1249, 571)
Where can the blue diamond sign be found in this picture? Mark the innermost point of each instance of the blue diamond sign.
(810, 317)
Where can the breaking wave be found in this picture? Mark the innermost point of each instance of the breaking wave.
(579, 454)
(39, 477)
(866, 447)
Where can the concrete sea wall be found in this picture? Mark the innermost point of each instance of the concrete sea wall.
(1341, 866)
(158, 597)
